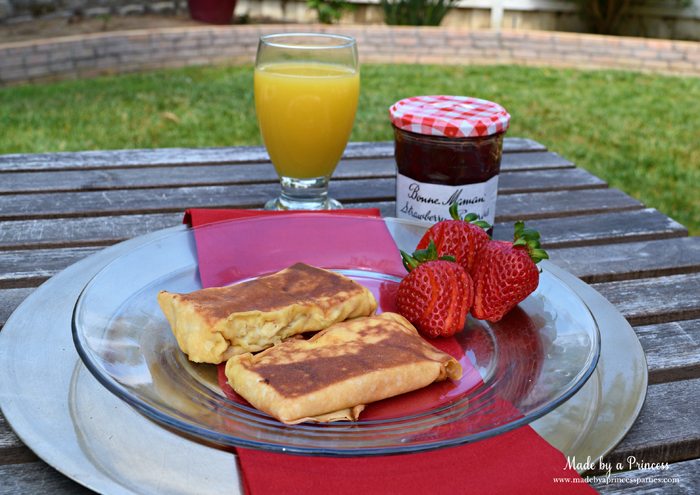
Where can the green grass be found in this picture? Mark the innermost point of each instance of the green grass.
(641, 133)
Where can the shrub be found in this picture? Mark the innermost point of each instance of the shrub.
(329, 11)
(415, 12)
(606, 16)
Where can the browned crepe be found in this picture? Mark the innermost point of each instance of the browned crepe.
(336, 372)
(211, 325)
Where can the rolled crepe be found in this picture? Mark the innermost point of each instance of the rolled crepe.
(334, 374)
(211, 325)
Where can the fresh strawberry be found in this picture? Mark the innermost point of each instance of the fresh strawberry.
(462, 238)
(436, 294)
(505, 273)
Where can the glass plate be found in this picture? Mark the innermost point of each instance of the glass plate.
(517, 370)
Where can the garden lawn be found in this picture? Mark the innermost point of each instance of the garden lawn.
(641, 133)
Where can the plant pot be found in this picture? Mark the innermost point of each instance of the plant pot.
(212, 11)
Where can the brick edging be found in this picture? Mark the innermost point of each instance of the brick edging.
(137, 50)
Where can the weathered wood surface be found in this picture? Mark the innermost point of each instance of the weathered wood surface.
(553, 204)
(200, 156)
(667, 429)
(28, 268)
(253, 195)
(672, 350)
(36, 478)
(57, 208)
(19, 266)
(599, 229)
(105, 178)
(630, 260)
(9, 300)
(655, 300)
(12, 450)
(678, 479)
(89, 230)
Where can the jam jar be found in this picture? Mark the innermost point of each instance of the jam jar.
(447, 148)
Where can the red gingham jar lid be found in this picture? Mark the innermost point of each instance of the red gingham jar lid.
(449, 116)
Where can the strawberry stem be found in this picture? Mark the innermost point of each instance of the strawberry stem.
(530, 240)
(469, 217)
(454, 211)
(422, 255)
(409, 262)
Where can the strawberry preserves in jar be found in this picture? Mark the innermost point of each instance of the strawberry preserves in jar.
(448, 148)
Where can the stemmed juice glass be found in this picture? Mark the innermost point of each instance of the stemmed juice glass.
(306, 90)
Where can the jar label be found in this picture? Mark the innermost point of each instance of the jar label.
(431, 202)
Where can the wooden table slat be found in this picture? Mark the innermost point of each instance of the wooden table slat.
(672, 350)
(653, 258)
(612, 227)
(26, 268)
(107, 178)
(163, 157)
(646, 301)
(197, 156)
(680, 478)
(23, 267)
(7, 436)
(10, 299)
(37, 478)
(667, 429)
(569, 179)
(541, 205)
(35, 233)
(603, 228)
(167, 157)
(36, 205)
(528, 206)
(12, 450)
(89, 231)
(590, 263)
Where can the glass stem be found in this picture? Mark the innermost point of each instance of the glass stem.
(304, 194)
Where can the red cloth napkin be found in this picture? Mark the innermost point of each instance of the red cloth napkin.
(519, 461)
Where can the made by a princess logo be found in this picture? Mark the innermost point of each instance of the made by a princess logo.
(630, 463)
(630, 471)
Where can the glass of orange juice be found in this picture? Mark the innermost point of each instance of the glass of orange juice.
(306, 91)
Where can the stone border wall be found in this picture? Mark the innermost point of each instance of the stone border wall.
(139, 50)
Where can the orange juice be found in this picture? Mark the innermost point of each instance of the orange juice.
(305, 112)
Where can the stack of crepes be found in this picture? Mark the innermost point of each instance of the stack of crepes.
(519, 461)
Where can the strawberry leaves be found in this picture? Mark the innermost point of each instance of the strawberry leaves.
(461, 238)
(530, 240)
(472, 218)
(410, 262)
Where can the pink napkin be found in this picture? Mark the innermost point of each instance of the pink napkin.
(519, 461)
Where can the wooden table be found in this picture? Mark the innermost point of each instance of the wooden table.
(57, 208)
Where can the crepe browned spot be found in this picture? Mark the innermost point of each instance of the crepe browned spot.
(336, 372)
(211, 325)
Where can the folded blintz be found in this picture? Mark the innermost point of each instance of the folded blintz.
(211, 325)
(336, 372)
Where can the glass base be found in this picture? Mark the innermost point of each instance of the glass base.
(280, 204)
(303, 194)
